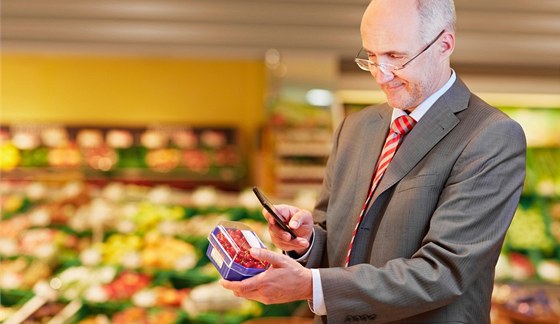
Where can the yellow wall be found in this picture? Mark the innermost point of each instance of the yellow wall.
(132, 91)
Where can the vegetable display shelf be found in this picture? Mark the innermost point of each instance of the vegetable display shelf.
(531, 250)
(183, 156)
(79, 253)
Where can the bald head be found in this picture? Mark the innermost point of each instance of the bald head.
(424, 18)
(383, 16)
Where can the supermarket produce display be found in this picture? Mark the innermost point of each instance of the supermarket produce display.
(81, 253)
(121, 253)
(528, 270)
(532, 246)
(178, 154)
(514, 304)
(112, 224)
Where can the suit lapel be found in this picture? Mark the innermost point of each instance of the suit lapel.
(370, 140)
(439, 120)
(374, 140)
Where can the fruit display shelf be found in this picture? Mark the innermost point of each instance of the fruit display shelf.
(80, 253)
(543, 172)
(180, 155)
(531, 251)
(523, 303)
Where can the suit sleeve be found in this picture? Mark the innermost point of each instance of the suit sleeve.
(464, 238)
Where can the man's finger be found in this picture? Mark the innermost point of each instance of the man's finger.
(276, 259)
(301, 218)
(241, 287)
(231, 285)
(295, 222)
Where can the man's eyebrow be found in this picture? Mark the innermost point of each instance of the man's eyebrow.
(385, 53)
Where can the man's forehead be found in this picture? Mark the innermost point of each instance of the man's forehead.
(389, 40)
(391, 27)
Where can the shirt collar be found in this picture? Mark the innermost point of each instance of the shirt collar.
(426, 104)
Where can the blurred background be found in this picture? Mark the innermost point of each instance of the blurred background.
(129, 129)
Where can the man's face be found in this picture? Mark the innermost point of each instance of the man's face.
(392, 37)
(408, 87)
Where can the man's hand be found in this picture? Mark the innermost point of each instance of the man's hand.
(300, 220)
(285, 281)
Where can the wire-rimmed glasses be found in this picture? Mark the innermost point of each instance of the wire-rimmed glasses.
(387, 68)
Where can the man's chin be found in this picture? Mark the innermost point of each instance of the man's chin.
(396, 101)
(392, 98)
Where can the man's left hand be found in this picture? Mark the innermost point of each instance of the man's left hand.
(285, 281)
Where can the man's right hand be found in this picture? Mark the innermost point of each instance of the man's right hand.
(300, 220)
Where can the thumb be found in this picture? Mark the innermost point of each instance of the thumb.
(275, 259)
(301, 218)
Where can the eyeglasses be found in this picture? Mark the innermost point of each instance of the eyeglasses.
(387, 68)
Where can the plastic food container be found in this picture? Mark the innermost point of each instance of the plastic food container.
(229, 247)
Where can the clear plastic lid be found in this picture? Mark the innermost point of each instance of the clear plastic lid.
(236, 239)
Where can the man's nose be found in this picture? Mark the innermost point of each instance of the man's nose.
(382, 77)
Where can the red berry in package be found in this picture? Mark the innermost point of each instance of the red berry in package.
(229, 247)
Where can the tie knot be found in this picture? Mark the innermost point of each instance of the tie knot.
(403, 124)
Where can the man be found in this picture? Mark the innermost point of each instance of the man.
(424, 248)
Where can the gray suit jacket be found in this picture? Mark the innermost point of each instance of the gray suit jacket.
(433, 232)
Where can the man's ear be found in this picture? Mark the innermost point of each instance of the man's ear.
(447, 45)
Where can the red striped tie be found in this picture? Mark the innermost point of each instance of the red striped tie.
(399, 128)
